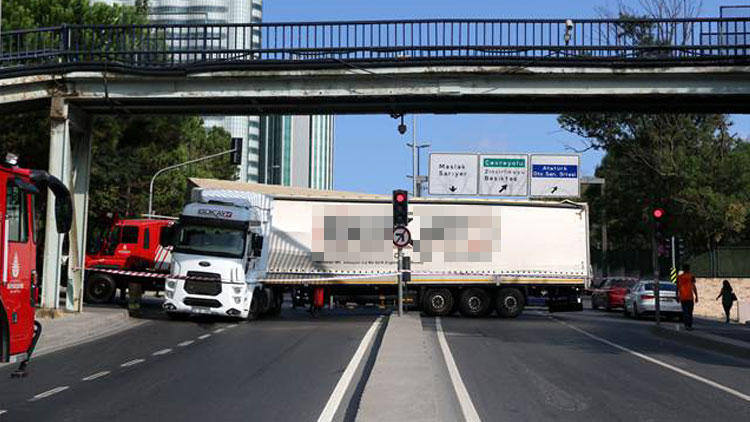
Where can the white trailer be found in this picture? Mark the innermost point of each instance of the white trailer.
(471, 255)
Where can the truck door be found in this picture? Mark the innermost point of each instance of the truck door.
(18, 263)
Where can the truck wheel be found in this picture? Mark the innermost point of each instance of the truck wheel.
(278, 299)
(254, 312)
(474, 302)
(509, 303)
(438, 302)
(100, 288)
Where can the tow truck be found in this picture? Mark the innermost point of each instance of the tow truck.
(19, 288)
(130, 252)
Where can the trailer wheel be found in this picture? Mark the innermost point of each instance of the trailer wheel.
(475, 302)
(509, 303)
(100, 288)
(438, 302)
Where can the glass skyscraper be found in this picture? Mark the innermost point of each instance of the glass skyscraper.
(287, 150)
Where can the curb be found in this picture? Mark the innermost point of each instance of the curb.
(735, 348)
(99, 328)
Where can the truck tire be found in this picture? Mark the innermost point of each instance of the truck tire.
(438, 302)
(509, 302)
(135, 292)
(474, 302)
(100, 288)
(278, 300)
(254, 312)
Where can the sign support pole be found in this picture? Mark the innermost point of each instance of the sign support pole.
(400, 256)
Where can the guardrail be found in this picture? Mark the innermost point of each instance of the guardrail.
(175, 47)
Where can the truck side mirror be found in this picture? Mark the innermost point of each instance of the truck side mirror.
(167, 236)
(256, 244)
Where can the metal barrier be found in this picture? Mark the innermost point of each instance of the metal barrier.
(189, 47)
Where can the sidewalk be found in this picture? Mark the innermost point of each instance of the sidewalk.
(409, 380)
(71, 329)
(732, 339)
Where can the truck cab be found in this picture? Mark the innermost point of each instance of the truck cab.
(217, 261)
(19, 287)
(130, 245)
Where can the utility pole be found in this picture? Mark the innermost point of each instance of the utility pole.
(417, 179)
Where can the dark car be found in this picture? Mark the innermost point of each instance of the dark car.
(611, 293)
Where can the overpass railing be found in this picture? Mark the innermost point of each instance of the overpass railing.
(192, 47)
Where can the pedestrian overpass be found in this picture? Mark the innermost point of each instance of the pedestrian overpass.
(391, 67)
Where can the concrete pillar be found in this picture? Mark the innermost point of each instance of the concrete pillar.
(70, 161)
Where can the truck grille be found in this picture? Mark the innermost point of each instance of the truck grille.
(208, 303)
(209, 284)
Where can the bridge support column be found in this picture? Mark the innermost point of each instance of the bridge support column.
(70, 161)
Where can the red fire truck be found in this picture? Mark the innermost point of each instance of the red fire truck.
(19, 289)
(129, 253)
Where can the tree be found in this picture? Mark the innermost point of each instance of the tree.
(689, 164)
(127, 150)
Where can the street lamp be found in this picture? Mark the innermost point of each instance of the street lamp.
(172, 167)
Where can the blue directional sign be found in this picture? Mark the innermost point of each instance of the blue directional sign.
(554, 170)
(555, 176)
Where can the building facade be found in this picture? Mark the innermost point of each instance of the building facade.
(297, 151)
(287, 150)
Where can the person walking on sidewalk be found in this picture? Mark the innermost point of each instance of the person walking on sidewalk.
(727, 298)
(688, 295)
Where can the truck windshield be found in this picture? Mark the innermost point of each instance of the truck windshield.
(210, 240)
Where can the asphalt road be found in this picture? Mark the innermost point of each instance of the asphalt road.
(568, 367)
(282, 369)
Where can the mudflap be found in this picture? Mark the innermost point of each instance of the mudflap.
(21, 371)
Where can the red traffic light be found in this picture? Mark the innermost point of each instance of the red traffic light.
(658, 213)
(400, 197)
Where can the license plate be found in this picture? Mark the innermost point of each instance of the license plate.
(200, 310)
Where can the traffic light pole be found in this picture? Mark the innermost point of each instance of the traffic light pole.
(399, 257)
(655, 263)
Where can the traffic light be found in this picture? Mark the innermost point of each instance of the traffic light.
(400, 208)
(682, 252)
(658, 215)
(236, 156)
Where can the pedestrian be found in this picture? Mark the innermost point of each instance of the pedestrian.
(727, 298)
(688, 295)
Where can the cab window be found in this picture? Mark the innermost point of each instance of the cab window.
(129, 234)
(16, 214)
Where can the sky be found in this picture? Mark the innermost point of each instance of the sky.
(370, 156)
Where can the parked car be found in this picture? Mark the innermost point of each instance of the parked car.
(611, 293)
(640, 300)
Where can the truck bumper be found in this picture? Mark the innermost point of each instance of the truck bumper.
(233, 301)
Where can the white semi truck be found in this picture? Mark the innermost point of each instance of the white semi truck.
(470, 255)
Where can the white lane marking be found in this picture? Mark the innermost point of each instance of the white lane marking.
(230, 326)
(658, 362)
(95, 376)
(204, 336)
(218, 330)
(3, 411)
(49, 393)
(161, 352)
(464, 400)
(186, 343)
(132, 362)
(346, 378)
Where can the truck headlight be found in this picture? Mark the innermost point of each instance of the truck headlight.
(171, 284)
(170, 295)
(237, 299)
(237, 290)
